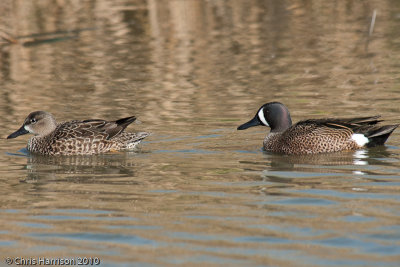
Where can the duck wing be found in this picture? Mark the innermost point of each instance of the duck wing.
(95, 127)
(351, 123)
(367, 126)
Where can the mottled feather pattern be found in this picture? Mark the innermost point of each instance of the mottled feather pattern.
(321, 135)
(85, 138)
(317, 135)
(309, 138)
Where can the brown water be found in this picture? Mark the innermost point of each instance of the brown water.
(199, 192)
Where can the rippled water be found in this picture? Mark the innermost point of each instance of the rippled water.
(198, 192)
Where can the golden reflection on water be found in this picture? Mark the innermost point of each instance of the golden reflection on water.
(199, 192)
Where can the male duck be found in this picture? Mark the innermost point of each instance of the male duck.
(317, 135)
(85, 137)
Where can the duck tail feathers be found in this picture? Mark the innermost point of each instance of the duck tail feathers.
(378, 135)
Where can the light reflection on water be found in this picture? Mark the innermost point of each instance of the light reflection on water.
(286, 211)
(198, 191)
(281, 204)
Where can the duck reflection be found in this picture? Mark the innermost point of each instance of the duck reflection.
(341, 162)
(81, 166)
(326, 173)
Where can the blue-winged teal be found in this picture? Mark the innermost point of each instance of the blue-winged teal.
(319, 135)
(77, 137)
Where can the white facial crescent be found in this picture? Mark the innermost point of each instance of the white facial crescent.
(262, 118)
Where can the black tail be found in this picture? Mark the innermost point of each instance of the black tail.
(114, 128)
(378, 135)
(125, 121)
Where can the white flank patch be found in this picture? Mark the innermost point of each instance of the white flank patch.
(262, 118)
(360, 139)
(26, 127)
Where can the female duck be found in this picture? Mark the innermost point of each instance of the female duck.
(85, 137)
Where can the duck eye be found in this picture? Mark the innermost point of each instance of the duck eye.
(33, 120)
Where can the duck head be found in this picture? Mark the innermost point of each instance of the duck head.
(39, 123)
(274, 115)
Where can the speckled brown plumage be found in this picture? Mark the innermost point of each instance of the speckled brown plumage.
(317, 136)
(77, 137)
(309, 137)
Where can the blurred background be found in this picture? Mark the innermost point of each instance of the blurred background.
(184, 59)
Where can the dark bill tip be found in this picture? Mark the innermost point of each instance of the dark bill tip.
(19, 132)
(251, 123)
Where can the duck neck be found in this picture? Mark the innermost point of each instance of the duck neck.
(282, 125)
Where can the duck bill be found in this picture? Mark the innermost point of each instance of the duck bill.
(19, 132)
(251, 123)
